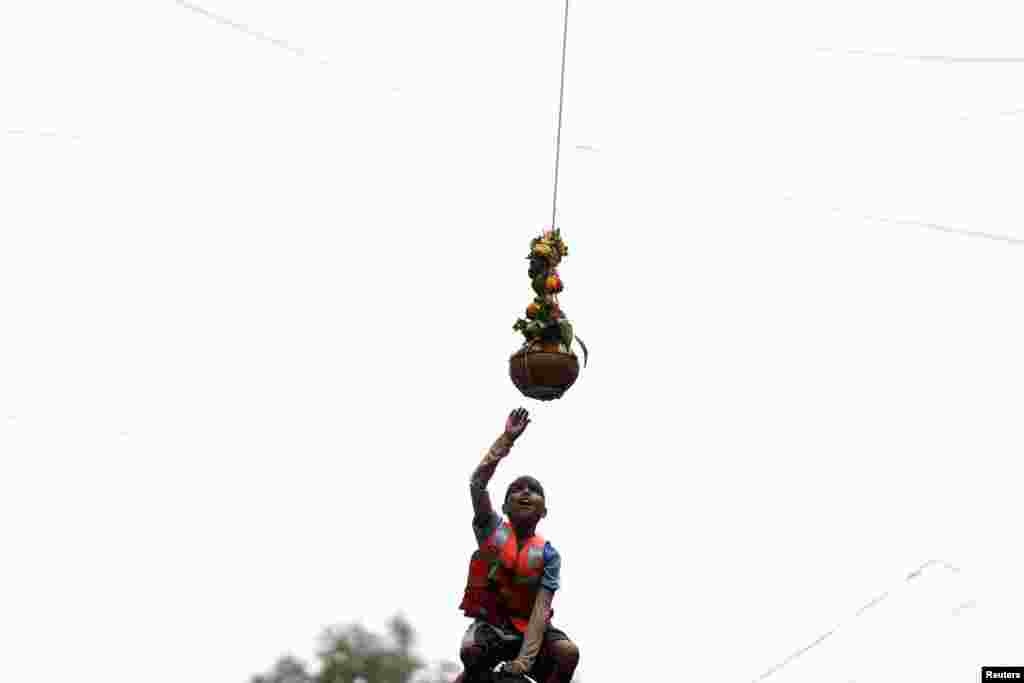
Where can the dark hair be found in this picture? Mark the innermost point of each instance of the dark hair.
(529, 480)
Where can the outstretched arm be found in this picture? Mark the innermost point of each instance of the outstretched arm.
(514, 426)
(482, 509)
(534, 637)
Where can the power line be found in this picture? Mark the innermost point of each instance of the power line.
(948, 229)
(998, 114)
(243, 28)
(41, 133)
(944, 59)
(930, 226)
(872, 603)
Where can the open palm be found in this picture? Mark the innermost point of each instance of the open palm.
(516, 423)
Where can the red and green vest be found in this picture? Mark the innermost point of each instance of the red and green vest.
(504, 579)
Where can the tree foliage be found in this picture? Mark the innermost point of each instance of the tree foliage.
(352, 654)
(288, 669)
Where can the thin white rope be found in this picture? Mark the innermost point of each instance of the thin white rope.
(561, 101)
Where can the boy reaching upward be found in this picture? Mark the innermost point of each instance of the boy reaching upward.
(513, 577)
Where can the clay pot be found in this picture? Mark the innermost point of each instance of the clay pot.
(543, 373)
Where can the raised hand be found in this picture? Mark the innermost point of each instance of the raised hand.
(516, 423)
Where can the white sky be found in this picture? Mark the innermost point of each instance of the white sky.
(257, 310)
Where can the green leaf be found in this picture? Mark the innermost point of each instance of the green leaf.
(566, 329)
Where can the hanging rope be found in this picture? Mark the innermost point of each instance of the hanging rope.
(561, 100)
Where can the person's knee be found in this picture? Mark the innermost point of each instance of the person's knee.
(568, 655)
(470, 654)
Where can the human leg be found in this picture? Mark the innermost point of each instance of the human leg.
(471, 653)
(558, 658)
(483, 646)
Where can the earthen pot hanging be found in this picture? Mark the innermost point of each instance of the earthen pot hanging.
(545, 367)
(543, 371)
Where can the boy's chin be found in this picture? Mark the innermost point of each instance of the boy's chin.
(524, 520)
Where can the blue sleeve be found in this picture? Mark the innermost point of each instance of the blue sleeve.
(552, 568)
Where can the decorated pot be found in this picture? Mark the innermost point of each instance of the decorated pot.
(543, 371)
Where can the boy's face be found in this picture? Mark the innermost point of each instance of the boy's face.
(524, 502)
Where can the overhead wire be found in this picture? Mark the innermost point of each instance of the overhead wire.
(869, 605)
(42, 134)
(945, 59)
(1008, 239)
(244, 28)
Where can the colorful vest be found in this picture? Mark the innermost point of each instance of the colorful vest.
(504, 580)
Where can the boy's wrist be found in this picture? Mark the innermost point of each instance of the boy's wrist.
(500, 448)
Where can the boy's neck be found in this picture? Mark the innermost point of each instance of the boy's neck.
(523, 532)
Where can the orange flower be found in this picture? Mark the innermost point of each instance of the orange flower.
(532, 310)
(553, 284)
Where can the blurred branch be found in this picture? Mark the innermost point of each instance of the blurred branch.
(350, 653)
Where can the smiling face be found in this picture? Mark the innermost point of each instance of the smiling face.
(524, 502)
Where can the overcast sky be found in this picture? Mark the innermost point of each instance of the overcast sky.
(257, 302)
